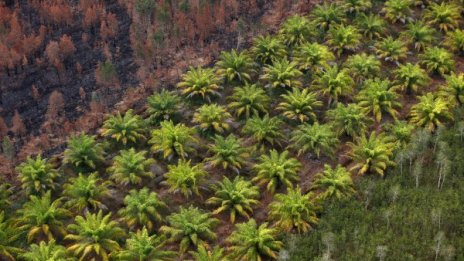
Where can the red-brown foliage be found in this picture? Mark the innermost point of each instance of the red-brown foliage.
(18, 126)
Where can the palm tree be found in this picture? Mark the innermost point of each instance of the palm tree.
(316, 138)
(227, 152)
(419, 34)
(334, 183)
(42, 218)
(349, 119)
(313, 57)
(410, 77)
(129, 167)
(170, 139)
(185, 178)
(295, 30)
(299, 105)
(357, 6)
(200, 82)
(363, 66)
(342, 38)
(370, 25)
(436, 59)
(249, 100)
(254, 243)
(143, 247)
(454, 40)
(326, 14)
(190, 226)
(83, 152)
(86, 192)
(391, 49)
(37, 175)
(8, 236)
(205, 254)
(453, 89)
(401, 131)
(430, 112)
(127, 129)
(282, 74)
(294, 210)
(264, 130)
(46, 251)
(141, 208)
(371, 154)
(212, 118)
(276, 170)
(163, 105)
(234, 66)
(334, 83)
(377, 98)
(444, 15)
(237, 196)
(94, 236)
(398, 10)
(5, 192)
(267, 49)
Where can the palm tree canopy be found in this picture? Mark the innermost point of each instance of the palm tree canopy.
(124, 129)
(317, 138)
(334, 183)
(172, 140)
(249, 100)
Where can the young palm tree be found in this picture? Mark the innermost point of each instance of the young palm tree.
(143, 247)
(276, 170)
(46, 251)
(94, 236)
(190, 226)
(313, 57)
(371, 154)
(398, 10)
(237, 196)
(8, 236)
(142, 209)
(163, 105)
(127, 129)
(205, 254)
(212, 118)
(42, 218)
(342, 38)
(349, 119)
(228, 152)
(370, 25)
(185, 178)
(267, 49)
(83, 152)
(378, 98)
(264, 130)
(294, 211)
(249, 100)
(444, 15)
(296, 30)
(129, 167)
(200, 82)
(419, 34)
(173, 140)
(234, 66)
(333, 83)
(454, 40)
(438, 60)
(37, 175)
(401, 131)
(5, 192)
(363, 66)
(391, 49)
(86, 192)
(357, 6)
(410, 77)
(254, 243)
(326, 14)
(317, 138)
(299, 105)
(282, 74)
(334, 183)
(453, 89)
(430, 112)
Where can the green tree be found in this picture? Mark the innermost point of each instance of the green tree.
(205, 254)
(141, 208)
(237, 196)
(370, 25)
(46, 251)
(296, 30)
(282, 74)
(349, 119)
(378, 98)
(401, 131)
(436, 59)
(264, 130)
(333, 83)
(357, 6)
(212, 118)
(419, 34)
(124, 129)
(334, 183)
(185, 178)
(410, 77)
(430, 112)
(254, 243)
(313, 57)
(163, 105)
(83, 152)
(267, 49)
(233, 66)
(227, 152)
(342, 38)
(299, 105)
(444, 15)
(190, 226)
(453, 89)
(86, 192)
(391, 49)
(276, 169)
(316, 138)
(5, 193)
(37, 175)
(454, 40)
(173, 140)
(8, 236)
(398, 10)
(363, 66)
(200, 82)
(249, 100)
(129, 167)
(326, 14)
